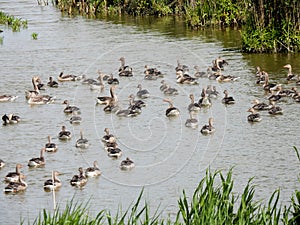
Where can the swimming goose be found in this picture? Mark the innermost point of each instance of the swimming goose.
(204, 101)
(39, 161)
(54, 183)
(193, 106)
(64, 134)
(10, 119)
(266, 84)
(227, 78)
(191, 122)
(80, 179)
(35, 91)
(275, 110)
(98, 86)
(185, 78)
(258, 72)
(70, 108)
(150, 76)
(212, 92)
(154, 72)
(127, 164)
(52, 83)
(170, 90)
(125, 112)
(138, 103)
(212, 75)
(142, 93)
(180, 67)
(8, 98)
(112, 80)
(104, 100)
(290, 75)
(69, 77)
(40, 100)
(218, 64)
(50, 146)
(133, 107)
(14, 176)
(40, 84)
(275, 96)
(75, 119)
(86, 80)
(125, 70)
(198, 73)
(260, 105)
(19, 185)
(227, 99)
(111, 143)
(171, 111)
(2, 163)
(82, 142)
(114, 153)
(208, 128)
(107, 135)
(254, 116)
(93, 171)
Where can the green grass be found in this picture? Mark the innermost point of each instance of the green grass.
(212, 203)
(15, 23)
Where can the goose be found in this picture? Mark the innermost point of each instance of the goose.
(154, 72)
(40, 84)
(64, 134)
(88, 81)
(54, 183)
(275, 96)
(218, 64)
(111, 106)
(104, 75)
(104, 100)
(112, 80)
(127, 164)
(290, 75)
(39, 161)
(75, 119)
(69, 77)
(266, 84)
(185, 78)
(171, 111)
(14, 176)
(208, 128)
(106, 136)
(254, 116)
(275, 110)
(50, 146)
(193, 106)
(82, 142)
(52, 83)
(114, 153)
(260, 105)
(227, 99)
(2, 163)
(125, 70)
(227, 78)
(80, 179)
(125, 112)
(70, 108)
(40, 100)
(98, 86)
(35, 91)
(198, 73)
(93, 171)
(258, 72)
(133, 107)
(204, 101)
(8, 98)
(211, 74)
(111, 143)
(212, 91)
(10, 119)
(170, 91)
(19, 185)
(181, 67)
(142, 93)
(149, 75)
(191, 122)
(138, 103)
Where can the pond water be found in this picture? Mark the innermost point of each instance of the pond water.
(169, 157)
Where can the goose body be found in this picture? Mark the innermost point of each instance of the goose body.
(142, 93)
(54, 183)
(290, 75)
(198, 73)
(67, 77)
(82, 142)
(8, 98)
(52, 83)
(93, 171)
(204, 101)
(50, 146)
(64, 134)
(2, 163)
(75, 119)
(10, 119)
(227, 99)
(185, 78)
(127, 164)
(124, 70)
(193, 106)
(114, 153)
(70, 108)
(39, 161)
(80, 179)
(254, 116)
(14, 187)
(170, 91)
(13, 176)
(208, 128)
(260, 105)
(191, 122)
(105, 100)
(171, 111)
(275, 110)
(107, 136)
(112, 80)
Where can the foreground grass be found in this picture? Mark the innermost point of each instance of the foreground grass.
(212, 203)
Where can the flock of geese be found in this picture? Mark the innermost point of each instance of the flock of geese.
(136, 103)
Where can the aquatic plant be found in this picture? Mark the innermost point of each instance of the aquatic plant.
(34, 36)
(15, 23)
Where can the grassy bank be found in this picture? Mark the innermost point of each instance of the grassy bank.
(212, 203)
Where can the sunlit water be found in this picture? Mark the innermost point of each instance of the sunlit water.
(169, 157)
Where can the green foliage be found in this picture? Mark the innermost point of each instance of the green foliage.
(15, 23)
(34, 36)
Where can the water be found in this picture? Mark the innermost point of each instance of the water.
(169, 157)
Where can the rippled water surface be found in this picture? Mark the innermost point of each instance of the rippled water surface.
(169, 157)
